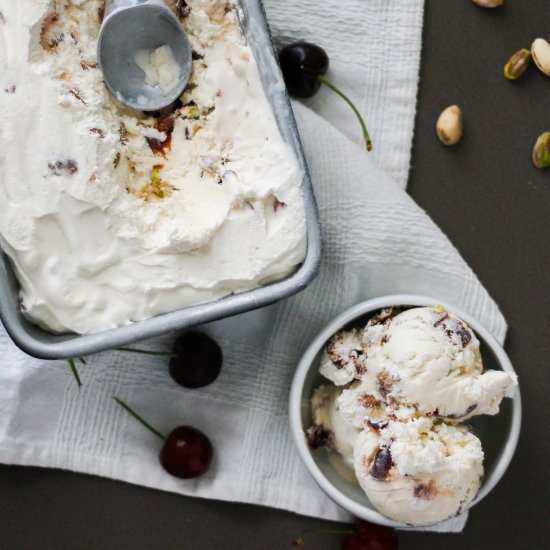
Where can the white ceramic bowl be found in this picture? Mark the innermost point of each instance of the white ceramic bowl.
(498, 434)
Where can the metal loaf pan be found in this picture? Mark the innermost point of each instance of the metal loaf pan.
(39, 343)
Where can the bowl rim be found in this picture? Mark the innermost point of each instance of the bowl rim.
(306, 363)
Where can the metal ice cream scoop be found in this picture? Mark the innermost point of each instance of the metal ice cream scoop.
(144, 53)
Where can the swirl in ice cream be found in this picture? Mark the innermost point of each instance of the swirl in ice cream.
(111, 215)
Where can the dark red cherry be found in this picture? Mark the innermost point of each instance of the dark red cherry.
(369, 536)
(354, 542)
(301, 64)
(381, 465)
(198, 362)
(186, 453)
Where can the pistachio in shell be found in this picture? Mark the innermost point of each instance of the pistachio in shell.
(540, 50)
(449, 125)
(541, 151)
(489, 3)
(517, 64)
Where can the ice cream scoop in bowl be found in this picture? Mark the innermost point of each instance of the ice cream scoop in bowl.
(415, 458)
(144, 53)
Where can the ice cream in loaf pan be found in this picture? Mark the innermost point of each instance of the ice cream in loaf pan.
(112, 215)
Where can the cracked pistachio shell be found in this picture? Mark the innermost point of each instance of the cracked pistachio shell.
(540, 50)
(449, 125)
(488, 3)
(541, 151)
(517, 64)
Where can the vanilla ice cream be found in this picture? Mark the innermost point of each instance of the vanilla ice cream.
(361, 404)
(343, 357)
(418, 472)
(429, 359)
(159, 67)
(112, 216)
(401, 387)
(330, 428)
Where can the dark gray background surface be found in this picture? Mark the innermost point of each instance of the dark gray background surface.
(494, 206)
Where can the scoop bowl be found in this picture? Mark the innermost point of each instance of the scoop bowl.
(129, 28)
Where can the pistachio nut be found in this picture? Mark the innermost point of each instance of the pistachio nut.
(540, 50)
(517, 64)
(449, 125)
(489, 3)
(541, 151)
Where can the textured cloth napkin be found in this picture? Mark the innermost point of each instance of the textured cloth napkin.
(377, 241)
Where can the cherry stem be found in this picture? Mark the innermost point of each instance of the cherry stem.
(139, 418)
(148, 352)
(75, 372)
(366, 136)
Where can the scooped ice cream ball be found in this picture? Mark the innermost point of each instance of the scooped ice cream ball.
(419, 472)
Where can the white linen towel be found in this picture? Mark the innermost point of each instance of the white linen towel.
(377, 241)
